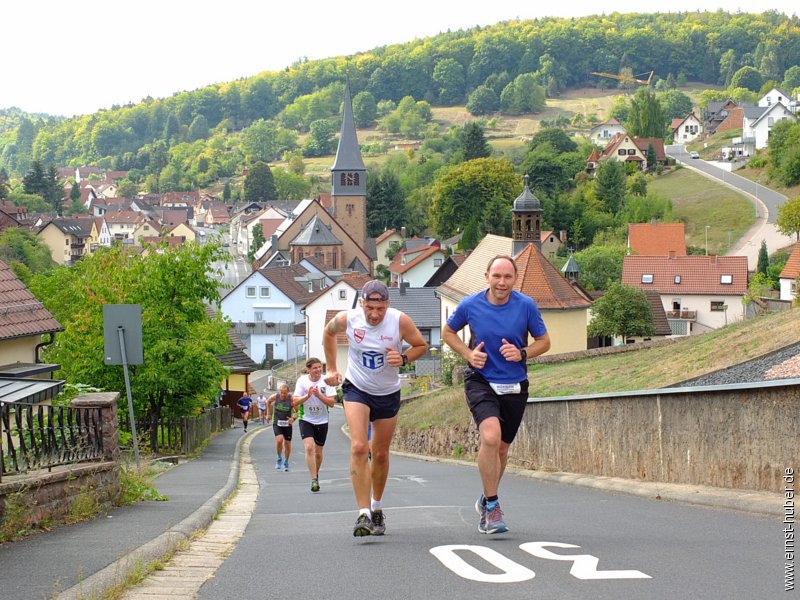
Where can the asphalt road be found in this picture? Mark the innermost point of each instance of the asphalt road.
(565, 542)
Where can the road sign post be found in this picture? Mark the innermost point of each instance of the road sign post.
(122, 349)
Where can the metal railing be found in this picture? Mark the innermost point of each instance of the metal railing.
(36, 436)
(181, 435)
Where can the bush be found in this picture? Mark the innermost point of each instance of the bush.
(450, 360)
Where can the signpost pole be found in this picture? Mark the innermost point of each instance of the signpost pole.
(121, 332)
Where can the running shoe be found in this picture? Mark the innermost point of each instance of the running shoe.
(378, 522)
(286, 466)
(314, 485)
(363, 526)
(278, 464)
(480, 508)
(494, 520)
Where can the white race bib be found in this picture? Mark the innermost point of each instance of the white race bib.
(283, 423)
(501, 389)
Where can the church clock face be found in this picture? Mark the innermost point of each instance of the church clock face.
(349, 179)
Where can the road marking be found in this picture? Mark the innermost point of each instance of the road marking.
(512, 572)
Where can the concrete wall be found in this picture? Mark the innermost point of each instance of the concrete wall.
(737, 437)
(740, 436)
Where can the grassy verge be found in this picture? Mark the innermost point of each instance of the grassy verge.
(644, 369)
(699, 201)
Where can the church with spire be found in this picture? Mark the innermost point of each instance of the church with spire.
(331, 230)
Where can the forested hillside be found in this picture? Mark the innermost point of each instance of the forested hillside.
(205, 134)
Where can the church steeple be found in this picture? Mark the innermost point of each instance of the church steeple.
(526, 221)
(349, 178)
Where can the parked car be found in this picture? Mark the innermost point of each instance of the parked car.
(694, 154)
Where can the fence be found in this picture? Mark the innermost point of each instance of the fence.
(36, 436)
(181, 435)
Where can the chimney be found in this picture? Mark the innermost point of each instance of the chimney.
(672, 254)
(404, 285)
(562, 236)
(403, 232)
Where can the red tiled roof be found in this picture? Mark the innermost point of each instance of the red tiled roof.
(384, 235)
(658, 147)
(646, 239)
(421, 254)
(697, 274)
(791, 270)
(21, 314)
(540, 280)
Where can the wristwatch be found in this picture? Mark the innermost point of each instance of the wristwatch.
(524, 355)
(405, 359)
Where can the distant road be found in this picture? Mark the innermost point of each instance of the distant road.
(766, 202)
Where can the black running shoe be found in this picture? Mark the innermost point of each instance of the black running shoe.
(363, 526)
(378, 522)
(314, 485)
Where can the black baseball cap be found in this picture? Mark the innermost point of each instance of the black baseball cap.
(375, 290)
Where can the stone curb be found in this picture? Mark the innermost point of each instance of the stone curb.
(98, 584)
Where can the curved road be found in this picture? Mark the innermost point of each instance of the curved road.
(766, 202)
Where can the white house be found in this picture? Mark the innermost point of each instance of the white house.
(416, 267)
(340, 296)
(687, 129)
(601, 134)
(776, 95)
(699, 293)
(789, 275)
(758, 122)
(266, 310)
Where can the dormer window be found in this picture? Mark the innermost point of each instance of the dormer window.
(726, 279)
(647, 278)
(677, 279)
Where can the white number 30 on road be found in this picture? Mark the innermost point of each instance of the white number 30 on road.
(584, 566)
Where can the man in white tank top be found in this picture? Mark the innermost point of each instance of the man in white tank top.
(371, 386)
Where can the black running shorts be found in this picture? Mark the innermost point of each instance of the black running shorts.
(286, 432)
(483, 402)
(380, 407)
(318, 432)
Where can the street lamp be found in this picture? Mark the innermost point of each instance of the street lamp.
(707, 226)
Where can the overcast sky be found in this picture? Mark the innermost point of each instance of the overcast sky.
(77, 57)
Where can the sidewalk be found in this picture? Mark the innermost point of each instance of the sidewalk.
(94, 555)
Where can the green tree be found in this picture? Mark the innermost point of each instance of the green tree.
(747, 77)
(386, 205)
(259, 185)
(450, 77)
(322, 140)
(788, 220)
(365, 109)
(763, 259)
(462, 193)
(482, 101)
(226, 191)
(290, 186)
(610, 183)
(623, 311)
(199, 129)
(266, 140)
(791, 78)
(600, 266)
(471, 237)
(646, 117)
(180, 373)
(473, 141)
(258, 241)
(675, 104)
(24, 252)
(75, 192)
(127, 188)
(555, 136)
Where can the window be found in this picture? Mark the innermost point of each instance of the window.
(718, 306)
(621, 152)
(342, 294)
(677, 279)
(726, 279)
(263, 292)
(631, 151)
(258, 316)
(250, 291)
(647, 278)
(437, 262)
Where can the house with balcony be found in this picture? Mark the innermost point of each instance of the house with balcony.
(266, 310)
(758, 122)
(627, 148)
(69, 239)
(602, 133)
(698, 293)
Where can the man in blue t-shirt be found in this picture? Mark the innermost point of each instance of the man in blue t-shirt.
(244, 408)
(496, 383)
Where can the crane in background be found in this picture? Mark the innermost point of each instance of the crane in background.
(628, 78)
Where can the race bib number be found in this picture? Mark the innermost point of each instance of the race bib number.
(283, 423)
(501, 389)
(314, 410)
